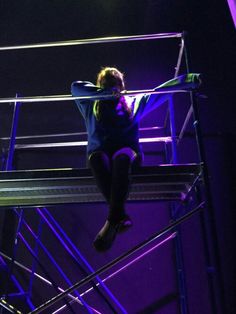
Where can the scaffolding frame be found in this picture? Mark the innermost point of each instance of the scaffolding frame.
(193, 111)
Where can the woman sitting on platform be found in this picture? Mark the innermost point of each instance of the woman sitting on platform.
(113, 139)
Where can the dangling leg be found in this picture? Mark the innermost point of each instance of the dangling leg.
(101, 169)
(121, 166)
(117, 219)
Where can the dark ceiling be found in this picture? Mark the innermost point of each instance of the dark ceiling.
(48, 71)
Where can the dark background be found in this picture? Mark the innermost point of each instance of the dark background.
(50, 71)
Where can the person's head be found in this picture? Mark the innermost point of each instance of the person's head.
(110, 77)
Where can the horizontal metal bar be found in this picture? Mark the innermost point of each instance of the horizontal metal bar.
(25, 137)
(33, 99)
(83, 173)
(69, 134)
(117, 260)
(151, 128)
(102, 40)
(157, 189)
(156, 139)
(165, 139)
(51, 145)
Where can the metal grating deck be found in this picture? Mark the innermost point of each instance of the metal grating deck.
(63, 186)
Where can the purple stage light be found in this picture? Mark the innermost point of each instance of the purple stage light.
(232, 7)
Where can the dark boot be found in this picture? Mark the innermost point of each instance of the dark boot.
(107, 234)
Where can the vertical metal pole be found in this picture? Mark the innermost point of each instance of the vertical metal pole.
(177, 240)
(9, 215)
(180, 57)
(180, 271)
(214, 270)
(13, 136)
(173, 130)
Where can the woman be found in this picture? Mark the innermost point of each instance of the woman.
(113, 141)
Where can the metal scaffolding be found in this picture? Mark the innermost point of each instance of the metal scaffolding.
(39, 188)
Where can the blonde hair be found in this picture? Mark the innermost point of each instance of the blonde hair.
(110, 77)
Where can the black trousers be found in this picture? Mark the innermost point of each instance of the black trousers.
(111, 172)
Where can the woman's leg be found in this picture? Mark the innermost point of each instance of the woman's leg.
(101, 169)
(121, 165)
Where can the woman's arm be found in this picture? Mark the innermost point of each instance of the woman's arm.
(85, 88)
(147, 103)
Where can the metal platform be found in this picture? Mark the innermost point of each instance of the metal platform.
(63, 186)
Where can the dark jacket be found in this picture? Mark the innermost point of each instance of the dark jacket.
(117, 127)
